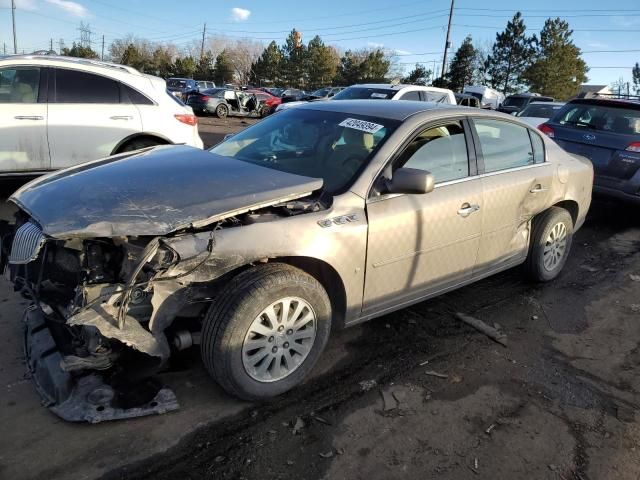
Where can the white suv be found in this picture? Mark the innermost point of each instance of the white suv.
(61, 111)
(390, 91)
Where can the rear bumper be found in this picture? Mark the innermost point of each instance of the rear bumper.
(619, 194)
(77, 397)
(626, 190)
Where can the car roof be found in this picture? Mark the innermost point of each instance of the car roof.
(400, 86)
(64, 60)
(557, 104)
(611, 102)
(378, 108)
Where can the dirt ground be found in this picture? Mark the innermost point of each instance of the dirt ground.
(415, 394)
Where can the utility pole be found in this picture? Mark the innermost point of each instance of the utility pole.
(448, 42)
(4, 48)
(13, 20)
(102, 56)
(50, 44)
(204, 32)
(60, 46)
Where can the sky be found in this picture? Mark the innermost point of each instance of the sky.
(414, 30)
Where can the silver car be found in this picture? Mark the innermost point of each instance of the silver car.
(314, 219)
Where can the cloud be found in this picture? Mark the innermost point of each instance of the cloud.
(71, 8)
(20, 4)
(240, 14)
(402, 52)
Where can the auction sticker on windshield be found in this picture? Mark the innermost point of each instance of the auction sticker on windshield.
(379, 95)
(361, 125)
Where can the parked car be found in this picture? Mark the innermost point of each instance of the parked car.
(325, 93)
(539, 112)
(292, 95)
(516, 103)
(205, 85)
(489, 97)
(607, 132)
(465, 100)
(182, 87)
(62, 111)
(319, 217)
(223, 102)
(381, 91)
(269, 102)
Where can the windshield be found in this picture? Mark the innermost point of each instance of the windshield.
(329, 145)
(601, 118)
(475, 94)
(322, 92)
(175, 83)
(363, 93)
(540, 111)
(514, 102)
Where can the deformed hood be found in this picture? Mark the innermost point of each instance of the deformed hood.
(153, 192)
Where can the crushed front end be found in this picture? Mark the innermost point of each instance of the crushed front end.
(88, 341)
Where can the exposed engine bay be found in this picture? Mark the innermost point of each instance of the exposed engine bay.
(108, 313)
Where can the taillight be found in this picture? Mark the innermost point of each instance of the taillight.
(188, 118)
(204, 97)
(633, 147)
(547, 130)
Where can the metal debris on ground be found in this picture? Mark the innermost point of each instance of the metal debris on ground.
(326, 455)
(490, 428)
(298, 426)
(479, 325)
(340, 451)
(367, 385)
(320, 419)
(634, 278)
(388, 400)
(422, 364)
(431, 373)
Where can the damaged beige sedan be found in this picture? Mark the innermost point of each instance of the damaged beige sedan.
(316, 218)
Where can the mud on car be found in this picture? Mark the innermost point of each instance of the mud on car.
(320, 217)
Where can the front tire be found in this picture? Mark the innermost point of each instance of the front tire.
(265, 331)
(222, 111)
(550, 244)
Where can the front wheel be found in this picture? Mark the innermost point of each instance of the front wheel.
(550, 244)
(222, 111)
(266, 331)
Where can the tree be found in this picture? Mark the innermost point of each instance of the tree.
(418, 76)
(162, 62)
(636, 78)
(510, 56)
(267, 69)
(462, 67)
(294, 53)
(557, 71)
(322, 63)
(204, 67)
(222, 70)
(375, 66)
(242, 54)
(79, 51)
(185, 67)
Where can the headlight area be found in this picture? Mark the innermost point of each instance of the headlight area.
(92, 347)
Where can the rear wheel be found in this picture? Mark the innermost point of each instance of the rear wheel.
(550, 244)
(266, 331)
(222, 111)
(138, 143)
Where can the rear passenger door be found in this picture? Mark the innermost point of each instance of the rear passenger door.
(516, 183)
(88, 117)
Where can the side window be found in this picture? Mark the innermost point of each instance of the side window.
(19, 85)
(415, 95)
(441, 150)
(538, 147)
(504, 145)
(133, 96)
(73, 86)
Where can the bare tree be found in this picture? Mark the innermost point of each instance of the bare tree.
(242, 54)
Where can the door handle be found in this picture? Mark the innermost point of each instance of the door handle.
(538, 189)
(28, 117)
(121, 117)
(467, 209)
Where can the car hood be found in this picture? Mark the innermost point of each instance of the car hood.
(153, 192)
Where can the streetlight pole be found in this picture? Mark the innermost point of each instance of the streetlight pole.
(447, 43)
(13, 20)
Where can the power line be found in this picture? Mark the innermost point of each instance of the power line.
(616, 30)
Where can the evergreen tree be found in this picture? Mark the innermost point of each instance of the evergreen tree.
(204, 68)
(462, 67)
(295, 55)
(349, 69)
(374, 67)
(418, 76)
(162, 64)
(222, 70)
(636, 78)
(133, 58)
(322, 64)
(510, 56)
(80, 52)
(267, 69)
(558, 70)
(185, 67)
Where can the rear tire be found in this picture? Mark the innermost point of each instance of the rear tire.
(138, 143)
(222, 111)
(250, 347)
(551, 237)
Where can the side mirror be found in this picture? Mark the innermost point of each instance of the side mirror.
(411, 180)
(227, 136)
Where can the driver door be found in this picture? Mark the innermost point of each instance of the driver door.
(421, 244)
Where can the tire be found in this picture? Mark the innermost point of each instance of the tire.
(138, 143)
(553, 223)
(222, 111)
(228, 332)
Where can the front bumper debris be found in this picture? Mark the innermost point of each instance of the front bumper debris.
(79, 398)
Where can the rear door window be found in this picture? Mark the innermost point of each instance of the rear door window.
(415, 95)
(72, 86)
(504, 145)
(601, 118)
(19, 85)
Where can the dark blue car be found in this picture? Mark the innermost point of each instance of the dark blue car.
(607, 132)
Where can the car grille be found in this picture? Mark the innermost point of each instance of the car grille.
(27, 243)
